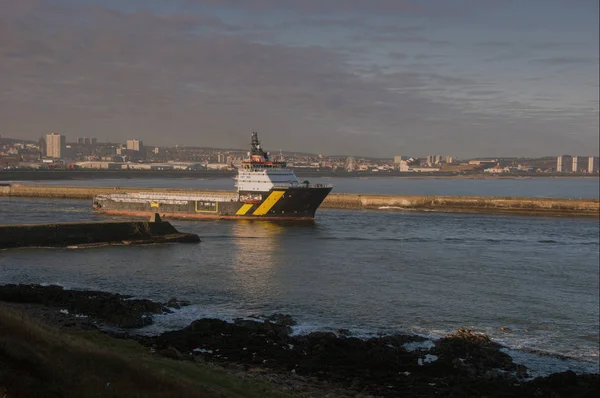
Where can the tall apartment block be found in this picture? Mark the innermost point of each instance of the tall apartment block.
(574, 168)
(593, 164)
(559, 164)
(55, 145)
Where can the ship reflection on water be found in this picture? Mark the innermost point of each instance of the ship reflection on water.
(259, 253)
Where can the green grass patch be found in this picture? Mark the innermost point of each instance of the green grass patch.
(37, 360)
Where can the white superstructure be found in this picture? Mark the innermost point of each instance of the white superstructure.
(254, 178)
(260, 174)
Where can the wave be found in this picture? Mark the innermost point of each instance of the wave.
(390, 239)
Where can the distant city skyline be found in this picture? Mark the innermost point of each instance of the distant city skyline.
(358, 77)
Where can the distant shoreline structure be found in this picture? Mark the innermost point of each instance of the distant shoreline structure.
(48, 175)
(562, 207)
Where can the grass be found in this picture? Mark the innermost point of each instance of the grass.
(37, 360)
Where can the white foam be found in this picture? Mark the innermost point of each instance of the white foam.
(419, 345)
(430, 358)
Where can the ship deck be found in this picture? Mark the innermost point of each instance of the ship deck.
(167, 198)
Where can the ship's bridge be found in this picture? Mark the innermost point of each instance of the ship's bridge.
(263, 176)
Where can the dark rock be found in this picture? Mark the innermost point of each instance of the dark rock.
(475, 349)
(282, 319)
(565, 384)
(114, 309)
(174, 303)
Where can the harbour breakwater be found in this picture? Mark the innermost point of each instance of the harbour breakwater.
(91, 234)
(586, 207)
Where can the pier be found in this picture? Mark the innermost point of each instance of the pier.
(91, 234)
(584, 207)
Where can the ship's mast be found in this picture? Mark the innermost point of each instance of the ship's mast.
(256, 150)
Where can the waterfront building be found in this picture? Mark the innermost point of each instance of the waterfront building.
(55, 145)
(397, 159)
(574, 168)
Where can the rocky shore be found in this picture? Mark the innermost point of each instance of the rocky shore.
(462, 364)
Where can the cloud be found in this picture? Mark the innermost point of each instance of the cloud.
(559, 61)
(198, 78)
(398, 55)
(336, 7)
(500, 44)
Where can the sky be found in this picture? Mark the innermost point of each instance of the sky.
(379, 78)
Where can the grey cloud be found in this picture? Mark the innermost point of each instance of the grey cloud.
(99, 72)
(559, 61)
(398, 55)
(547, 45)
(331, 6)
(401, 38)
(494, 44)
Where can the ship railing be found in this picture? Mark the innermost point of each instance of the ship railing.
(300, 185)
(168, 198)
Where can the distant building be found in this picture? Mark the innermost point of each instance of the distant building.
(397, 159)
(94, 141)
(562, 163)
(484, 162)
(135, 145)
(80, 140)
(350, 166)
(559, 164)
(87, 141)
(497, 169)
(449, 159)
(42, 146)
(574, 169)
(593, 164)
(135, 149)
(221, 158)
(55, 146)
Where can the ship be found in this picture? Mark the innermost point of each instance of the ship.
(267, 189)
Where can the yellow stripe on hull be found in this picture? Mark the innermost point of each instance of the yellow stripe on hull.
(244, 209)
(268, 203)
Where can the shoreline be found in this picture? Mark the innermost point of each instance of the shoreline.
(589, 207)
(338, 364)
(37, 175)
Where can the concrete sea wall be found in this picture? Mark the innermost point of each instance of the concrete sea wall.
(467, 204)
(90, 233)
(463, 204)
